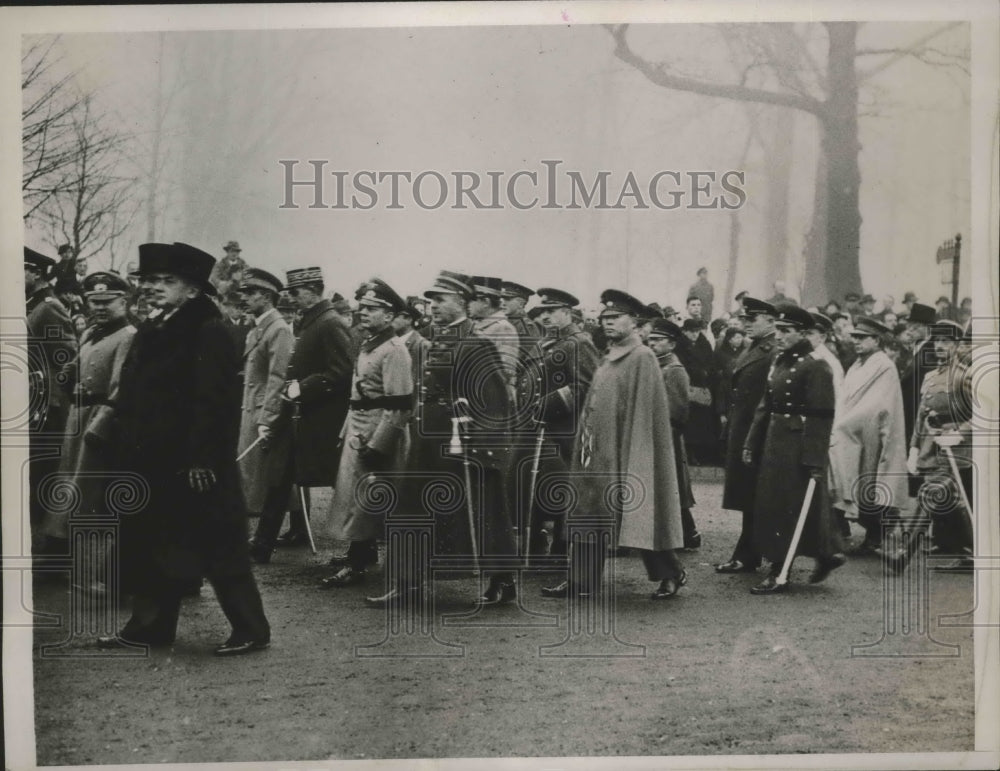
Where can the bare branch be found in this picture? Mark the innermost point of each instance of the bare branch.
(659, 74)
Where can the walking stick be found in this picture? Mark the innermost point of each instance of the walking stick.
(531, 492)
(455, 448)
(782, 578)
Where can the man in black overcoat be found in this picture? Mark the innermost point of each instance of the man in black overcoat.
(749, 381)
(563, 362)
(178, 430)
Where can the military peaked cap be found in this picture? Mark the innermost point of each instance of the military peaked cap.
(753, 307)
(821, 321)
(378, 294)
(665, 328)
(793, 316)
(104, 286)
(616, 303)
(869, 326)
(255, 278)
(302, 277)
(38, 261)
(511, 289)
(555, 298)
(450, 282)
(487, 285)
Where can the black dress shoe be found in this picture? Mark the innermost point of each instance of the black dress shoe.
(261, 553)
(669, 586)
(769, 585)
(565, 589)
(233, 647)
(825, 566)
(692, 542)
(346, 576)
(499, 593)
(735, 566)
(291, 538)
(410, 594)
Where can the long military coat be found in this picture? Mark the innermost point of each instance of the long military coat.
(93, 377)
(791, 434)
(266, 353)
(322, 362)
(51, 345)
(675, 380)
(381, 404)
(623, 465)
(461, 364)
(176, 409)
(748, 384)
(558, 376)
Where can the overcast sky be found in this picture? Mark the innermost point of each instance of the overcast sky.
(504, 99)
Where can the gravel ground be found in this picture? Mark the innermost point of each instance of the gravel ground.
(721, 672)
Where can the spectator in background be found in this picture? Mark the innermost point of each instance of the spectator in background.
(731, 344)
(704, 291)
(779, 294)
(867, 306)
(908, 299)
(843, 346)
(944, 309)
(889, 318)
(702, 430)
(831, 309)
(965, 311)
(227, 273)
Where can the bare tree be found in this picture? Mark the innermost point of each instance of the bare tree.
(779, 70)
(47, 137)
(93, 204)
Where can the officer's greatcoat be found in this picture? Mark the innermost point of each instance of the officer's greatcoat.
(749, 381)
(791, 434)
(93, 379)
(623, 465)
(381, 404)
(266, 353)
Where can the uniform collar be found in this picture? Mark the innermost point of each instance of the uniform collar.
(624, 348)
(260, 320)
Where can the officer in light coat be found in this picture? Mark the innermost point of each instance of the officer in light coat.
(375, 436)
(266, 353)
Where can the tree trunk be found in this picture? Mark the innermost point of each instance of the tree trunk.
(841, 148)
(814, 289)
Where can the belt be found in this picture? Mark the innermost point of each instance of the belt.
(383, 403)
(805, 412)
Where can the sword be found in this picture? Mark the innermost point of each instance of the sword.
(246, 452)
(782, 578)
(531, 492)
(456, 446)
(296, 417)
